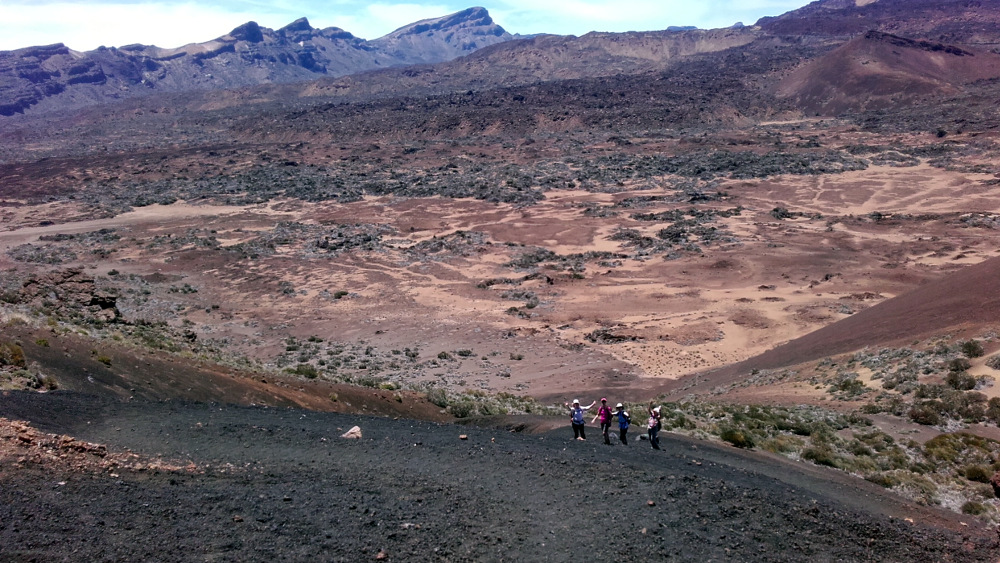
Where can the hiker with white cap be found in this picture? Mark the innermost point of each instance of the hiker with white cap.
(623, 422)
(576, 417)
(653, 426)
(604, 413)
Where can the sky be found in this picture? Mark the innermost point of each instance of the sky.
(86, 25)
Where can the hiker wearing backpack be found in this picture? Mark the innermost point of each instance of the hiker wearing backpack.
(623, 423)
(576, 418)
(604, 413)
(653, 426)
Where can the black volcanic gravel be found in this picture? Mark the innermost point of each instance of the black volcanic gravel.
(281, 485)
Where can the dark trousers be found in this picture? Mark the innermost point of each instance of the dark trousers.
(579, 431)
(654, 437)
(605, 428)
(623, 436)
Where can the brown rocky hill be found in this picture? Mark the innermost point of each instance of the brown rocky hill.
(879, 70)
(55, 76)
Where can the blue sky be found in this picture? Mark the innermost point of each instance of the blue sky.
(85, 25)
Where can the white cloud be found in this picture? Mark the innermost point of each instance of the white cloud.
(85, 27)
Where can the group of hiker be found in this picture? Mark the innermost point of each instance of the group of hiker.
(607, 418)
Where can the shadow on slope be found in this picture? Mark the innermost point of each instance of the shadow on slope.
(110, 369)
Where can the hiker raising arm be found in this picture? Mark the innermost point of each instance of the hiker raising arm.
(576, 418)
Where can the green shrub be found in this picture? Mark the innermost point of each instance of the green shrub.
(438, 396)
(442, 355)
(849, 387)
(923, 414)
(104, 359)
(43, 342)
(463, 408)
(960, 380)
(887, 480)
(738, 438)
(306, 370)
(821, 455)
(781, 444)
(993, 362)
(464, 353)
(993, 410)
(972, 348)
(977, 473)
(973, 508)
(959, 365)
(12, 355)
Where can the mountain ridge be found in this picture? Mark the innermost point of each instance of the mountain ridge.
(247, 55)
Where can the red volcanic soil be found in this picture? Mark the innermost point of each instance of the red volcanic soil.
(214, 482)
(879, 70)
(964, 299)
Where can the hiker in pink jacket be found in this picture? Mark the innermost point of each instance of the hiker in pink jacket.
(604, 413)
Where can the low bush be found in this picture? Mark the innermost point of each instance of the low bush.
(438, 396)
(977, 473)
(972, 348)
(924, 414)
(821, 455)
(959, 365)
(305, 370)
(887, 480)
(973, 508)
(12, 355)
(736, 437)
(960, 380)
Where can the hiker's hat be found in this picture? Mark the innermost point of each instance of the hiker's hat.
(618, 406)
(603, 400)
(576, 401)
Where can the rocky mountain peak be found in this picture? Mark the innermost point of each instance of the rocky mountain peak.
(444, 38)
(249, 31)
(476, 19)
(301, 24)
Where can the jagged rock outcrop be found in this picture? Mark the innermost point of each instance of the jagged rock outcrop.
(72, 293)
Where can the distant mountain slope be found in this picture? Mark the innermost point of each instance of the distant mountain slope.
(950, 21)
(967, 298)
(879, 70)
(248, 55)
(540, 59)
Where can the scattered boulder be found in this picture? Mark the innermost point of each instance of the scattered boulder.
(352, 434)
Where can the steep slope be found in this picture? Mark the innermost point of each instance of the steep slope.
(879, 70)
(965, 299)
(52, 77)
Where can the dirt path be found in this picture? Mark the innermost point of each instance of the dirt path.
(277, 484)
